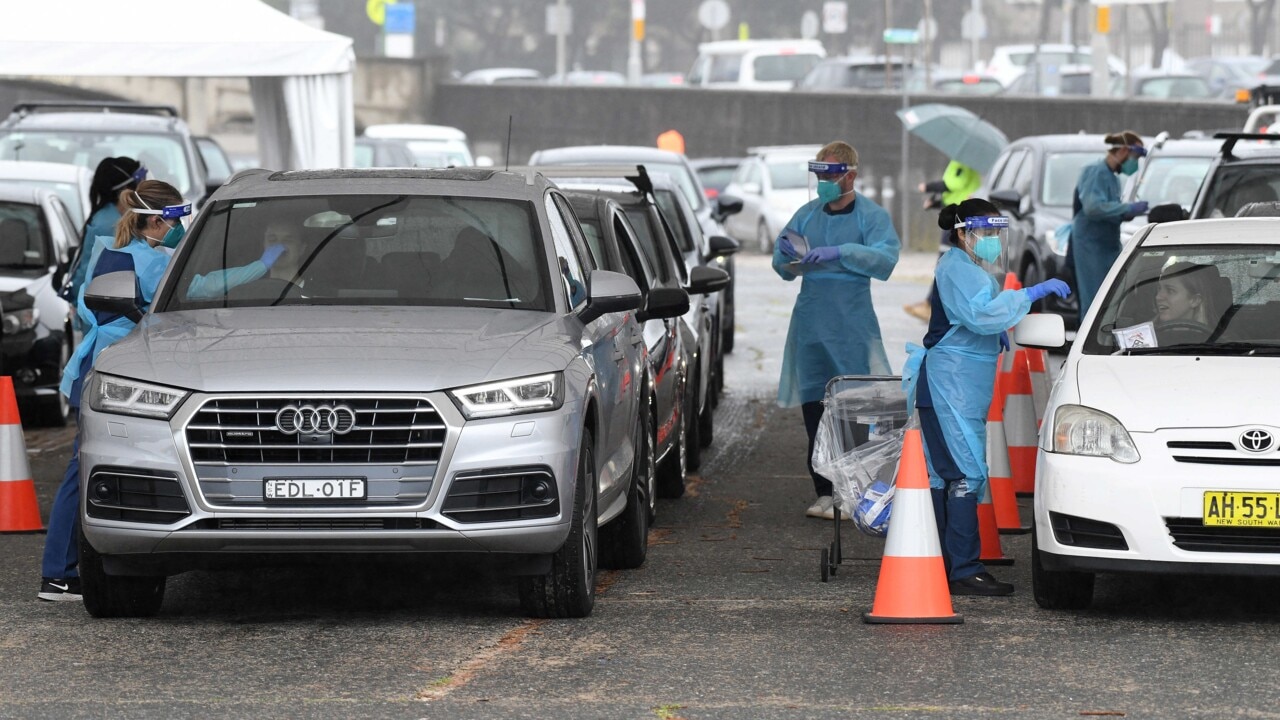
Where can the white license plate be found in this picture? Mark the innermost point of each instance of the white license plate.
(313, 489)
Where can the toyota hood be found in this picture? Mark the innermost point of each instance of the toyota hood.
(327, 349)
(1151, 392)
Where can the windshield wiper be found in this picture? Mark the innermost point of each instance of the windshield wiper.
(1229, 348)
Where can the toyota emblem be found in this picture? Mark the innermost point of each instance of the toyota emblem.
(1256, 440)
(315, 420)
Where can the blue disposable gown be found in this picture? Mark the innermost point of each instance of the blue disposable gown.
(101, 224)
(834, 330)
(149, 265)
(1095, 229)
(961, 367)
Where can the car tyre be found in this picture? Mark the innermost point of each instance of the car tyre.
(675, 465)
(109, 596)
(569, 590)
(763, 241)
(1058, 590)
(625, 541)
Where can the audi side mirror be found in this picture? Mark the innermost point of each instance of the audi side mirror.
(113, 293)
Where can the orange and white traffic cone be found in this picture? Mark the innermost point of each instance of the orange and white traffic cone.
(19, 511)
(913, 587)
(990, 553)
(999, 477)
(1020, 429)
(1039, 382)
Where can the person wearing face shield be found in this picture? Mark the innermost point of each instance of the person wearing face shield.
(1097, 214)
(952, 378)
(152, 212)
(847, 240)
(113, 177)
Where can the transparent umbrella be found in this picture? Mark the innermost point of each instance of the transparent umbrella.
(956, 133)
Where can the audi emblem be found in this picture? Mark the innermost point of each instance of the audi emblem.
(1256, 440)
(315, 420)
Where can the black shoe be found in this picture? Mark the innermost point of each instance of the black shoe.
(984, 583)
(60, 589)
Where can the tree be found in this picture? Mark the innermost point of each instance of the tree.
(1158, 21)
(1260, 14)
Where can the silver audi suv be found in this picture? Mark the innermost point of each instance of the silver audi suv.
(370, 361)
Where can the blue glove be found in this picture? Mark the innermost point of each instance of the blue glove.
(1052, 286)
(1139, 208)
(272, 254)
(1004, 340)
(789, 250)
(822, 254)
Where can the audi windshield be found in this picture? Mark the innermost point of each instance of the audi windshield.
(363, 250)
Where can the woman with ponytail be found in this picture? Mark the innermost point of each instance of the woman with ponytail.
(141, 230)
(114, 176)
(952, 379)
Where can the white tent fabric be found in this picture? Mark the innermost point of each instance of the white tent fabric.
(300, 77)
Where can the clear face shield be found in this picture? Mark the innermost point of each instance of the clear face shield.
(824, 180)
(986, 239)
(175, 216)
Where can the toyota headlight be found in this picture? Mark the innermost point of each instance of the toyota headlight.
(22, 320)
(511, 397)
(1078, 430)
(122, 396)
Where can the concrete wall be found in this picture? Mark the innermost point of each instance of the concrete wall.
(716, 122)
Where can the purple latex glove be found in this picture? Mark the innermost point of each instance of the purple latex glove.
(1004, 340)
(1139, 208)
(1052, 286)
(789, 250)
(822, 254)
(272, 254)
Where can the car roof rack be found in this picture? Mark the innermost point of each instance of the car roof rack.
(1231, 138)
(637, 175)
(106, 106)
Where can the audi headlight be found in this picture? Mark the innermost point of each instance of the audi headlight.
(511, 397)
(22, 320)
(130, 397)
(1078, 430)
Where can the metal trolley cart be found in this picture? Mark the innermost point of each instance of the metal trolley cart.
(857, 447)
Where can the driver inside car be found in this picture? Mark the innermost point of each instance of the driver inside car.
(282, 253)
(1185, 298)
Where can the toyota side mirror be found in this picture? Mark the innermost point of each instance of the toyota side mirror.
(1045, 331)
(704, 280)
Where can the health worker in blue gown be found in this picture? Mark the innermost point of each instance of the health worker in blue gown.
(952, 379)
(846, 240)
(1097, 214)
(113, 177)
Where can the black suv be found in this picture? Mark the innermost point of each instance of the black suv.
(83, 133)
(1033, 183)
(1245, 171)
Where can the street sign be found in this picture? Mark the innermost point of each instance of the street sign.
(835, 17)
(713, 14)
(973, 26)
(557, 24)
(901, 36)
(399, 17)
(809, 25)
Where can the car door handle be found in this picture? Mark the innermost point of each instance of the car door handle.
(637, 336)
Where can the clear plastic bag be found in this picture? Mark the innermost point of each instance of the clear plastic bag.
(858, 444)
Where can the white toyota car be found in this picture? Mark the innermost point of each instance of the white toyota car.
(1159, 445)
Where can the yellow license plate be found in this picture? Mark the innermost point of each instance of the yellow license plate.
(1246, 509)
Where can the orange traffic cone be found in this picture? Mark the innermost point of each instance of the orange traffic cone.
(1020, 429)
(912, 588)
(999, 478)
(1039, 382)
(990, 553)
(19, 511)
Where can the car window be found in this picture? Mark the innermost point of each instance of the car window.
(363, 157)
(363, 250)
(633, 264)
(682, 177)
(645, 225)
(162, 155)
(789, 174)
(716, 177)
(998, 168)
(1022, 180)
(215, 161)
(1061, 173)
(68, 193)
(1171, 180)
(572, 268)
(671, 211)
(22, 238)
(65, 230)
(1233, 187)
(1210, 293)
(1010, 170)
(725, 67)
(700, 67)
(783, 68)
(595, 242)
(753, 173)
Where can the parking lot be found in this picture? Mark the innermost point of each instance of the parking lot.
(727, 618)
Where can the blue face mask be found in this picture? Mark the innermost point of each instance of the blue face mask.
(1130, 166)
(174, 236)
(987, 248)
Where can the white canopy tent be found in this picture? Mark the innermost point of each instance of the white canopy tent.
(300, 77)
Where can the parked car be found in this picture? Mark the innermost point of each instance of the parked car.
(711, 213)
(502, 76)
(383, 152)
(433, 146)
(965, 83)
(37, 237)
(614, 245)
(1067, 80)
(1170, 86)
(662, 79)
(1159, 449)
(432, 367)
(1171, 173)
(1227, 75)
(1008, 62)
(862, 72)
(70, 182)
(83, 133)
(1245, 170)
(754, 64)
(714, 173)
(773, 183)
(1033, 183)
(588, 77)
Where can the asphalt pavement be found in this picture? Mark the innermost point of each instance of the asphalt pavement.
(728, 617)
